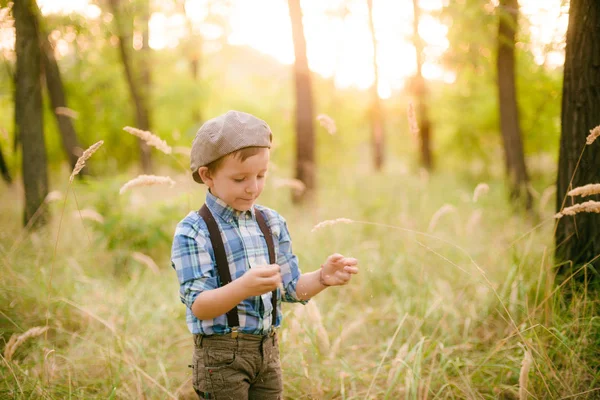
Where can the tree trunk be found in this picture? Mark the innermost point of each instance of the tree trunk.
(4, 169)
(136, 89)
(509, 114)
(57, 99)
(578, 237)
(195, 72)
(305, 137)
(420, 93)
(193, 52)
(28, 102)
(376, 113)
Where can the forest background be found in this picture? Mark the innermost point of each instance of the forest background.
(446, 167)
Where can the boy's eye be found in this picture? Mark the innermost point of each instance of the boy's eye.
(238, 179)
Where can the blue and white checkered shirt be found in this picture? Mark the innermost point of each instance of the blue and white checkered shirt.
(193, 259)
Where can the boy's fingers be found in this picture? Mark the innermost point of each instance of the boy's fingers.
(335, 257)
(268, 271)
(350, 261)
(343, 276)
(352, 270)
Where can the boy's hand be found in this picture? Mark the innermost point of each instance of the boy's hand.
(338, 270)
(261, 280)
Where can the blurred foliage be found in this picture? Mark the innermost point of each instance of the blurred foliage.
(130, 224)
(464, 113)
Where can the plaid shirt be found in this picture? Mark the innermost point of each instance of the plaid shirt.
(193, 259)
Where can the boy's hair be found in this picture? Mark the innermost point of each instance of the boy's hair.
(241, 154)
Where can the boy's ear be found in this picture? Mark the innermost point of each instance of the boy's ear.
(205, 175)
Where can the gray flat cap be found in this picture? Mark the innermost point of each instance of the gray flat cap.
(225, 134)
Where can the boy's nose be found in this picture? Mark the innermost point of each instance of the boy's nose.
(252, 187)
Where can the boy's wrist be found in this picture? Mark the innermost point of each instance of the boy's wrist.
(321, 279)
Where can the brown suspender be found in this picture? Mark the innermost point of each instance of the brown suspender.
(221, 258)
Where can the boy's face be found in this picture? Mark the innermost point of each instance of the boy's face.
(239, 183)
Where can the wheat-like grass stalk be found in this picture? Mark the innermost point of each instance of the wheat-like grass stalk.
(586, 190)
(328, 123)
(412, 119)
(53, 196)
(480, 190)
(443, 210)
(330, 222)
(346, 332)
(594, 134)
(183, 150)
(588, 206)
(84, 157)
(473, 221)
(314, 315)
(524, 375)
(547, 194)
(16, 340)
(397, 363)
(145, 260)
(294, 184)
(67, 112)
(147, 180)
(88, 213)
(150, 139)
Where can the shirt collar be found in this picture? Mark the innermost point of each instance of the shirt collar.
(223, 210)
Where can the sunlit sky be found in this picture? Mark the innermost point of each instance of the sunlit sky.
(336, 46)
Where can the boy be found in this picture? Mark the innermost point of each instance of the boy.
(235, 264)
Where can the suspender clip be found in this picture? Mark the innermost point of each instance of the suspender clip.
(234, 332)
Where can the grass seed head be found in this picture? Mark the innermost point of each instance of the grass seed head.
(150, 139)
(84, 157)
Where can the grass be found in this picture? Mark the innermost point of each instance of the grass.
(447, 313)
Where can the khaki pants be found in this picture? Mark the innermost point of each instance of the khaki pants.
(246, 367)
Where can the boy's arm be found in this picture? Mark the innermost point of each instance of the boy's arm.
(256, 281)
(336, 271)
(199, 289)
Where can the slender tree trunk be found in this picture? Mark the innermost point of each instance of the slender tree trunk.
(578, 237)
(58, 99)
(194, 55)
(516, 169)
(28, 102)
(195, 72)
(136, 89)
(376, 114)
(305, 137)
(421, 94)
(4, 169)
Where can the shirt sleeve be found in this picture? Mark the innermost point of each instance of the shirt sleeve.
(192, 262)
(287, 260)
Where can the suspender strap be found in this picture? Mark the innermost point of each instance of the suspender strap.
(272, 259)
(223, 265)
(220, 258)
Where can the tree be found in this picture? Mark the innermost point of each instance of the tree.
(4, 169)
(28, 110)
(192, 51)
(376, 112)
(420, 93)
(138, 83)
(305, 136)
(514, 157)
(58, 100)
(578, 237)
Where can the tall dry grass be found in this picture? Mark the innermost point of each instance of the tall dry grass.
(431, 315)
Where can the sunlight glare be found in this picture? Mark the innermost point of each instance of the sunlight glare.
(338, 44)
